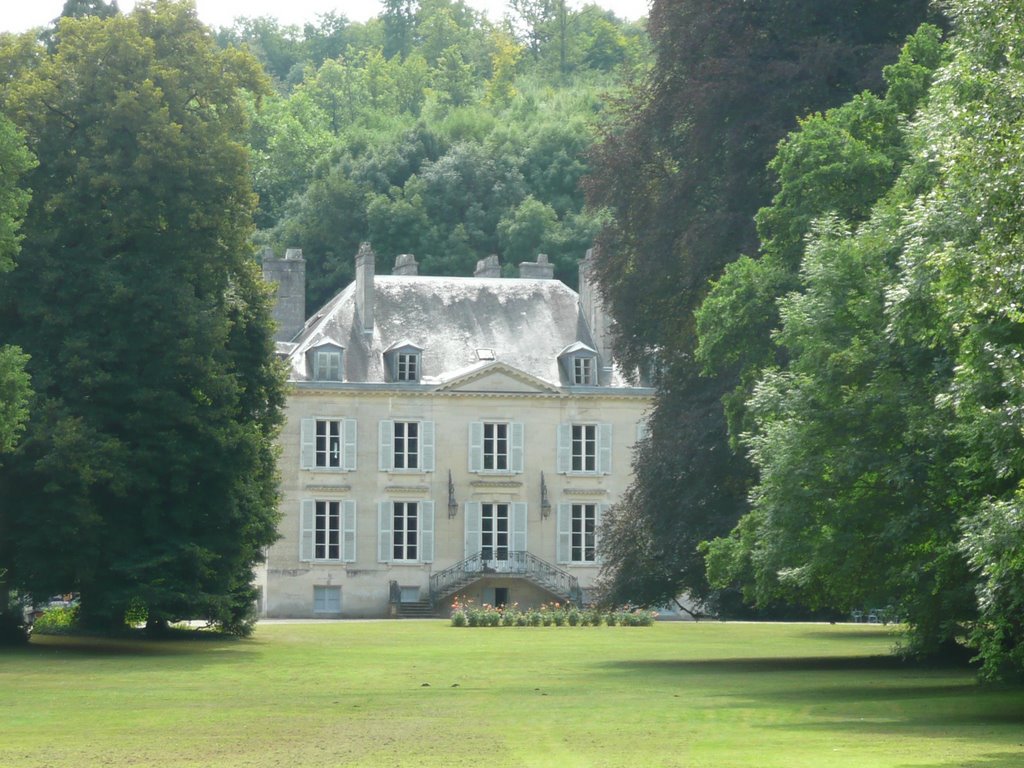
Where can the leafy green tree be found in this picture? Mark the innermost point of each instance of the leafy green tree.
(146, 473)
(525, 231)
(889, 443)
(504, 60)
(399, 19)
(682, 169)
(840, 162)
(279, 49)
(15, 161)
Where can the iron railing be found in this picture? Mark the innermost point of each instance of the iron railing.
(519, 564)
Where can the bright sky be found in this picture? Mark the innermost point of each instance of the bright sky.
(19, 15)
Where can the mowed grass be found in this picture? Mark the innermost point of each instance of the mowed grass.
(422, 693)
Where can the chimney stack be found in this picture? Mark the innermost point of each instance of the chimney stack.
(288, 275)
(488, 267)
(405, 264)
(365, 264)
(593, 311)
(537, 270)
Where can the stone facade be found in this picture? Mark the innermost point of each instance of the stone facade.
(452, 451)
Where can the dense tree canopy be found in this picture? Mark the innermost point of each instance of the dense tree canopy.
(459, 143)
(15, 160)
(683, 171)
(886, 433)
(146, 473)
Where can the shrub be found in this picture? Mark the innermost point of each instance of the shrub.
(59, 620)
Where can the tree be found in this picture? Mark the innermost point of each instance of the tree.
(682, 169)
(888, 439)
(15, 161)
(146, 474)
(399, 18)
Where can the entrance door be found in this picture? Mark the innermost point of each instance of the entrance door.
(494, 531)
(500, 597)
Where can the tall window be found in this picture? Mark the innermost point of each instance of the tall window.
(327, 531)
(577, 525)
(328, 443)
(583, 533)
(494, 531)
(583, 370)
(407, 366)
(584, 447)
(405, 531)
(495, 446)
(407, 445)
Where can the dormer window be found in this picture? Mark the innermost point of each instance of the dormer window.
(579, 365)
(583, 370)
(324, 362)
(407, 366)
(327, 365)
(403, 361)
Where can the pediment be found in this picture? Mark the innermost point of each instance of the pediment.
(497, 377)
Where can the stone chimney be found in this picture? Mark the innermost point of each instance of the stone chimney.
(365, 264)
(488, 267)
(593, 311)
(288, 275)
(537, 270)
(405, 264)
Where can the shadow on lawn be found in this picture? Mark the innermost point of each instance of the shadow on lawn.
(955, 699)
(748, 665)
(208, 648)
(993, 760)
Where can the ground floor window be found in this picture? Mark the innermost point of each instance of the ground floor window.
(494, 530)
(583, 547)
(578, 526)
(326, 599)
(405, 530)
(327, 535)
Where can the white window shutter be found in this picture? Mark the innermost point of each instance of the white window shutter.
(307, 451)
(349, 432)
(564, 447)
(384, 543)
(473, 540)
(427, 446)
(387, 445)
(604, 451)
(518, 526)
(516, 458)
(348, 531)
(476, 446)
(426, 531)
(307, 526)
(563, 547)
(641, 430)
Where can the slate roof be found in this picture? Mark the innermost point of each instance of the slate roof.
(527, 323)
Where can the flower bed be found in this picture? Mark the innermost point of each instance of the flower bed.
(467, 614)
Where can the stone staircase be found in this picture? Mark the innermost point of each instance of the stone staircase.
(520, 565)
(421, 609)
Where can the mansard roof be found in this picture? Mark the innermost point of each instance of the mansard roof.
(456, 322)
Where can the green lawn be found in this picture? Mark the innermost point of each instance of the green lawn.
(427, 694)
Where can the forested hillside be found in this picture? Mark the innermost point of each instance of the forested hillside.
(429, 130)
